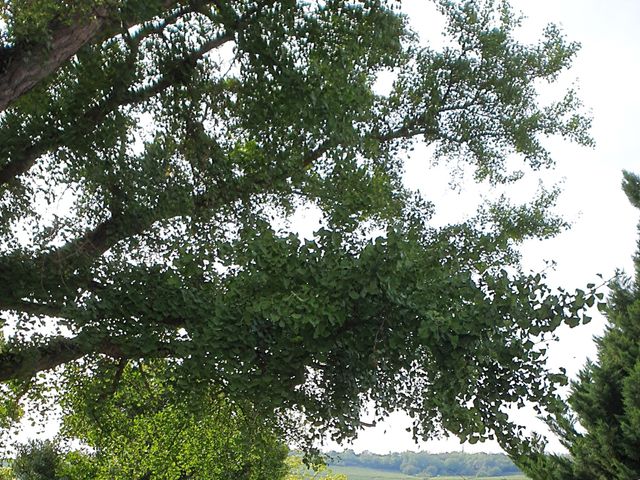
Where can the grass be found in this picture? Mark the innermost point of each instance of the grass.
(358, 473)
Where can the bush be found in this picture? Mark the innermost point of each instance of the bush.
(36, 460)
(5, 474)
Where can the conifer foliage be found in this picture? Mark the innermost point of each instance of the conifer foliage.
(605, 399)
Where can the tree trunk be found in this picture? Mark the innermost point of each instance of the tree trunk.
(23, 67)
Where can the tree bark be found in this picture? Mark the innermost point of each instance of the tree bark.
(26, 66)
(26, 362)
(23, 364)
(23, 66)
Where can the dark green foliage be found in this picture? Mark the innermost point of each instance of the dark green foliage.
(37, 460)
(605, 399)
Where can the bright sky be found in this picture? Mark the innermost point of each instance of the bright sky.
(603, 235)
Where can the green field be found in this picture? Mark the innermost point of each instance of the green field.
(358, 473)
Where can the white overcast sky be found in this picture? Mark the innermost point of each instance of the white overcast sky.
(603, 233)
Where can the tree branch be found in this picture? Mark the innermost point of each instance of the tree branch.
(117, 377)
(314, 155)
(22, 67)
(26, 66)
(106, 234)
(32, 308)
(66, 267)
(24, 155)
(26, 361)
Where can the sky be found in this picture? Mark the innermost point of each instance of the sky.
(604, 225)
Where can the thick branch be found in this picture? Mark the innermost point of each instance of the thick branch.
(97, 241)
(22, 164)
(27, 361)
(24, 66)
(66, 267)
(24, 156)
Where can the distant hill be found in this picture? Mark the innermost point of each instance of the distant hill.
(360, 473)
(423, 465)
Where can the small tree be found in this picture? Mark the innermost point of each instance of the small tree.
(299, 471)
(36, 460)
(145, 426)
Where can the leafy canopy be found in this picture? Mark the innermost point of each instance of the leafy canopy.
(152, 158)
(143, 427)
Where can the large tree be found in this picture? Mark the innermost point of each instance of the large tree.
(153, 153)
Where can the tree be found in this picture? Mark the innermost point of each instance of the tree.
(36, 460)
(605, 398)
(298, 471)
(152, 153)
(147, 428)
(430, 464)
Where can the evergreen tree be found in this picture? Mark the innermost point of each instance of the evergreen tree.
(605, 399)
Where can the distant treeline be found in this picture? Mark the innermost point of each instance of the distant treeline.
(429, 464)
